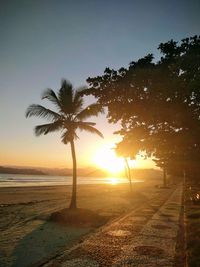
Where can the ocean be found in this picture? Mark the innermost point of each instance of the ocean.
(14, 180)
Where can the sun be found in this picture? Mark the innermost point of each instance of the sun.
(106, 159)
(113, 181)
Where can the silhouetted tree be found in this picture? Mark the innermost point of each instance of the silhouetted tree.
(68, 119)
(156, 99)
(128, 148)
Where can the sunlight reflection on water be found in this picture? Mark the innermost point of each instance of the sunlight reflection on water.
(16, 180)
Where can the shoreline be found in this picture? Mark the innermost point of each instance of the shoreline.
(38, 181)
(17, 180)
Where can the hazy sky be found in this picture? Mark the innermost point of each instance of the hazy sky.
(43, 41)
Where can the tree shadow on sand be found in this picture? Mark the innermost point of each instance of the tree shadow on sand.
(45, 240)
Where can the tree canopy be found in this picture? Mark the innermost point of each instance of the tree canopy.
(156, 103)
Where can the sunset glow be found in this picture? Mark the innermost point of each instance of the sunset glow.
(106, 159)
(113, 181)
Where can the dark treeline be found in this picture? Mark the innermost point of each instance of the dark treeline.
(158, 106)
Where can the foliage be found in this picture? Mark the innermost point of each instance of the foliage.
(70, 114)
(157, 104)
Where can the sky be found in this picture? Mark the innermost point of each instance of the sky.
(43, 41)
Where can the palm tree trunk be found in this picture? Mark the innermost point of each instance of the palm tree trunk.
(74, 183)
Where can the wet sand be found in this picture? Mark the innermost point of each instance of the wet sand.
(26, 234)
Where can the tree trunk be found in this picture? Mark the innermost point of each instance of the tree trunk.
(164, 177)
(128, 172)
(74, 183)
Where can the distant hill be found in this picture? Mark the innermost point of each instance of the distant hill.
(87, 172)
(84, 172)
(141, 174)
(11, 170)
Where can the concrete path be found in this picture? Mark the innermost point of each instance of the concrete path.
(155, 244)
(144, 238)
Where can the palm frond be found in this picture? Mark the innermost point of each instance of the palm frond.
(88, 122)
(68, 136)
(78, 100)
(70, 114)
(84, 126)
(65, 96)
(41, 112)
(91, 110)
(47, 128)
(51, 96)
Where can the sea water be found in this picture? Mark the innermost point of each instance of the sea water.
(13, 180)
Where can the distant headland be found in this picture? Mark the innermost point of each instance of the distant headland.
(84, 172)
(11, 170)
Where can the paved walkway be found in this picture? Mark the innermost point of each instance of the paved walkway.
(143, 238)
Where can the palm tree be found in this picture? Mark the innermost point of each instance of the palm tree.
(69, 117)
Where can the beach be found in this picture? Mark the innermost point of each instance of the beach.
(27, 236)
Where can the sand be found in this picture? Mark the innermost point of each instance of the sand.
(28, 237)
